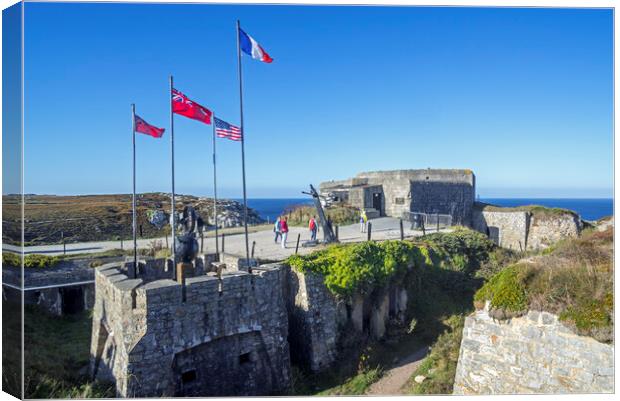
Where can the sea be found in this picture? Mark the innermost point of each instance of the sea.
(588, 209)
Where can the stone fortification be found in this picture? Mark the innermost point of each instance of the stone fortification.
(216, 335)
(318, 319)
(392, 193)
(534, 353)
(522, 229)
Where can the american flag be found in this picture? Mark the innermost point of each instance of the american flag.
(226, 130)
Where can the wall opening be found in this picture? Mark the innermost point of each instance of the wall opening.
(72, 300)
(244, 358)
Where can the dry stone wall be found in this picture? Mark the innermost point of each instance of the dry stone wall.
(534, 353)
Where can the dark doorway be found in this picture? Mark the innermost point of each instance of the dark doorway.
(72, 300)
(376, 201)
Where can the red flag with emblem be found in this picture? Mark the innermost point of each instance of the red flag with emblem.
(148, 129)
(184, 106)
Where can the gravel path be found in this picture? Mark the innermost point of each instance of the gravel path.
(395, 378)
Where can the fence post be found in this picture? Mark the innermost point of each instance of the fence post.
(166, 240)
(337, 233)
(121, 243)
(369, 230)
(64, 246)
(141, 230)
(253, 245)
(223, 239)
(297, 246)
(437, 217)
(202, 242)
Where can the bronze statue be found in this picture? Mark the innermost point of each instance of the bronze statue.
(186, 244)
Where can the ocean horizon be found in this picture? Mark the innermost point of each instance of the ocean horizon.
(587, 208)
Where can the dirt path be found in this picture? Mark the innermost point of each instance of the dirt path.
(396, 377)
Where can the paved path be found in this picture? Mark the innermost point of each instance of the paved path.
(393, 380)
(382, 228)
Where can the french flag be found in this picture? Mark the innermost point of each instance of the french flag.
(252, 48)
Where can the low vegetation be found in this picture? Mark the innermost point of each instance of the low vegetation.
(32, 261)
(537, 211)
(339, 215)
(56, 355)
(368, 266)
(439, 367)
(574, 279)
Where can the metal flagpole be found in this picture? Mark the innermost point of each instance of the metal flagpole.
(217, 247)
(172, 214)
(133, 198)
(245, 202)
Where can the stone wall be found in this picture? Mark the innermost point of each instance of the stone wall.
(523, 230)
(506, 229)
(545, 231)
(317, 318)
(534, 353)
(214, 336)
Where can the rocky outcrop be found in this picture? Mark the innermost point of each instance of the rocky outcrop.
(534, 353)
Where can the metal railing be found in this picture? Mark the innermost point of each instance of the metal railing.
(427, 221)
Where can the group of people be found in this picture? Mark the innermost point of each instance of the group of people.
(280, 228)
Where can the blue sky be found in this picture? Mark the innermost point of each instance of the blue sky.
(521, 96)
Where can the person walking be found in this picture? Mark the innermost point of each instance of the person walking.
(276, 229)
(363, 220)
(313, 228)
(284, 231)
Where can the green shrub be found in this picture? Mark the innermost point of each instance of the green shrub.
(358, 268)
(38, 261)
(11, 259)
(368, 266)
(463, 249)
(505, 290)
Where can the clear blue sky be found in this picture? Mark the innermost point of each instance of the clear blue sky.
(521, 96)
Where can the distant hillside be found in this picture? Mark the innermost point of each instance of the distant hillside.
(104, 217)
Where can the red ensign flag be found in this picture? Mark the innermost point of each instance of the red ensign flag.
(148, 129)
(188, 108)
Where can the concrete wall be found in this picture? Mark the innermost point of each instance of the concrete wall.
(214, 337)
(530, 354)
(427, 191)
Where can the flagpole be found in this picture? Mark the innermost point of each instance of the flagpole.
(172, 214)
(217, 247)
(245, 202)
(133, 198)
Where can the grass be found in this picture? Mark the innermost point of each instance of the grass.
(538, 211)
(56, 354)
(439, 367)
(33, 261)
(88, 217)
(574, 279)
